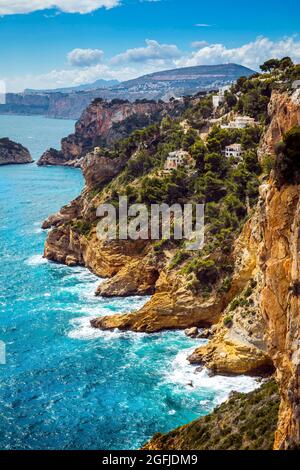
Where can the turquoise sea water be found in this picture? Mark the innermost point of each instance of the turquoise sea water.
(65, 385)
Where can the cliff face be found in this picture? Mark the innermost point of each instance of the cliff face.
(284, 113)
(257, 318)
(13, 153)
(279, 260)
(102, 124)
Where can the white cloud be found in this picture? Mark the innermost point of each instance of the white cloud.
(85, 57)
(153, 52)
(69, 77)
(11, 7)
(155, 57)
(252, 54)
(203, 25)
(199, 44)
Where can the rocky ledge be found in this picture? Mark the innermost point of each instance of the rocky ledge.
(12, 153)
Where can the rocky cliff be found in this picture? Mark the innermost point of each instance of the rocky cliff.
(271, 241)
(102, 124)
(284, 113)
(279, 261)
(255, 315)
(13, 153)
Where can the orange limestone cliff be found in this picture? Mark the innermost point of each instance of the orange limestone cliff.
(102, 124)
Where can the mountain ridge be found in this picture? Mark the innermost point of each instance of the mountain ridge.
(156, 86)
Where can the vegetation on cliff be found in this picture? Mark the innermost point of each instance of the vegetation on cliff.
(287, 166)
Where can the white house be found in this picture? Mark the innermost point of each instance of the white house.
(218, 100)
(220, 97)
(97, 150)
(179, 158)
(240, 122)
(234, 150)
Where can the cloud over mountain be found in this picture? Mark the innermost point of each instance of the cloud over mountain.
(85, 57)
(154, 51)
(251, 55)
(89, 65)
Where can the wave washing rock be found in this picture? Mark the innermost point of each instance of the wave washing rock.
(102, 124)
(12, 153)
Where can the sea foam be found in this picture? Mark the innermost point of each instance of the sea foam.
(184, 375)
(36, 260)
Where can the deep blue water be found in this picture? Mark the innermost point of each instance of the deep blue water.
(65, 385)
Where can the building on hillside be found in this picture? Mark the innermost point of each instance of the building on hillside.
(177, 159)
(219, 98)
(234, 150)
(97, 151)
(240, 122)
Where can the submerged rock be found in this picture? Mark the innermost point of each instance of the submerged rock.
(192, 332)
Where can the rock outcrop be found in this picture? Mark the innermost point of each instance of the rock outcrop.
(284, 113)
(102, 124)
(173, 306)
(12, 153)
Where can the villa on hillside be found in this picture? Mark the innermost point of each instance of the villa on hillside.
(179, 158)
(97, 151)
(234, 150)
(240, 122)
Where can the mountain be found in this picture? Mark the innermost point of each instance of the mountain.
(87, 87)
(160, 85)
(183, 81)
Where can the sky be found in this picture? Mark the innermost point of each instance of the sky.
(56, 43)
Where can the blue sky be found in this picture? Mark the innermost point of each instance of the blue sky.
(43, 46)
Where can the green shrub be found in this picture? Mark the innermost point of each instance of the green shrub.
(228, 321)
(179, 257)
(287, 166)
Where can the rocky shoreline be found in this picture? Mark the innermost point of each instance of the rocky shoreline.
(255, 318)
